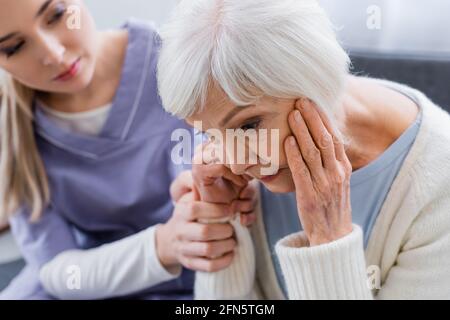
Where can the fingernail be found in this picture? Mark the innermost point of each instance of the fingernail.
(306, 104)
(297, 115)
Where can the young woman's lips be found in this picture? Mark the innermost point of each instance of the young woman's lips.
(70, 73)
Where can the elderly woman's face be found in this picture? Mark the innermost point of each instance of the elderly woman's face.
(268, 113)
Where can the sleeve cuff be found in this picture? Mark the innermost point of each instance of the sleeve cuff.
(336, 270)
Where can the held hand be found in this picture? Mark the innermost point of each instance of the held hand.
(245, 203)
(213, 180)
(321, 173)
(200, 247)
(215, 183)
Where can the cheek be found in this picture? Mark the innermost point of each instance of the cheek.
(30, 75)
(82, 40)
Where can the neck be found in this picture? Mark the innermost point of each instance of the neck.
(372, 118)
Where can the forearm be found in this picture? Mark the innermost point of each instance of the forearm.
(116, 269)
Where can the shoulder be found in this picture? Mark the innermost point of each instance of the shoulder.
(142, 30)
(423, 182)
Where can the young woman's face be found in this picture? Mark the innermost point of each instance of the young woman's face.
(268, 113)
(43, 47)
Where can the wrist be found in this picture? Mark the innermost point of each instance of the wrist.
(163, 250)
(317, 240)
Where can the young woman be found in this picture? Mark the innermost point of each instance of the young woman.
(85, 161)
(263, 64)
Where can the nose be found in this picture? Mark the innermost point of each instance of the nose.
(52, 50)
(240, 158)
(239, 169)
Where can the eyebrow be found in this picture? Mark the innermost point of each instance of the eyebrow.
(8, 36)
(38, 14)
(233, 113)
(43, 8)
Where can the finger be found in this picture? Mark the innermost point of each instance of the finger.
(299, 170)
(196, 210)
(209, 167)
(321, 136)
(238, 180)
(243, 205)
(208, 265)
(181, 185)
(210, 249)
(248, 219)
(207, 232)
(249, 192)
(339, 147)
(305, 143)
(207, 174)
(186, 198)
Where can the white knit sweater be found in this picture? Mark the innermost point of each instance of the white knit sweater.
(408, 254)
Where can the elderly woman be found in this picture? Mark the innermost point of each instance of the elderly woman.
(359, 207)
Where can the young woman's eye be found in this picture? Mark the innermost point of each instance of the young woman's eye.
(251, 125)
(10, 51)
(59, 11)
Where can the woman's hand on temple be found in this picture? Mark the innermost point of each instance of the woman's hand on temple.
(321, 173)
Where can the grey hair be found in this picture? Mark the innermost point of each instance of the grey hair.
(250, 48)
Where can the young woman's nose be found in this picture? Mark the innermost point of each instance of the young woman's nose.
(52, 51)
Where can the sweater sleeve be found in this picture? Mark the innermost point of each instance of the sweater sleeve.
(336, 270)
(235, 282)
(111, 270)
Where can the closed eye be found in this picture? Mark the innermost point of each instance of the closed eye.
(251, 125)
(60, 10)
(10, 51)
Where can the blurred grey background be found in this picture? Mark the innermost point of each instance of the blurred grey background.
(112, 13)
(407, 26)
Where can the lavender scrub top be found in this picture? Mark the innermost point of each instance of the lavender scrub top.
(105, 187)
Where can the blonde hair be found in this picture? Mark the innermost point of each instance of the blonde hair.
(250, 48)
(23, 180)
